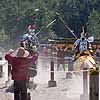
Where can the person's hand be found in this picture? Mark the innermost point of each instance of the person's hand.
(11, 51)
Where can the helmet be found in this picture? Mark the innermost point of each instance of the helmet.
(31, 26)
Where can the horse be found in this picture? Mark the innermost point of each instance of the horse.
(84, 62)
(81, 66)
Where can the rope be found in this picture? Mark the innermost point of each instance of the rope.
(87, 70)
(50, 57)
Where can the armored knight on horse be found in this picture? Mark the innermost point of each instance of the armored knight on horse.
(84, 54)
(30, 42)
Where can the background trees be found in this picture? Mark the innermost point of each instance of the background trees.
(16, 14)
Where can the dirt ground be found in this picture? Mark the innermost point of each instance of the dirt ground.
(66, 89)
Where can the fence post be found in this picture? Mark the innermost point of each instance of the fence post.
(94, 84)
(85, 95)
(52, 83)
(3, 73)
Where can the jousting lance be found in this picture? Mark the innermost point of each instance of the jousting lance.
(66, 25)
(45, 27)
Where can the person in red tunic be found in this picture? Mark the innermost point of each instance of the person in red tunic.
(20, 71)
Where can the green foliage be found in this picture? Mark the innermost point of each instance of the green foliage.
(3, 36)
(94, 24)
(16, 14)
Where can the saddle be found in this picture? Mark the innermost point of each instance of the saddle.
(83, 53)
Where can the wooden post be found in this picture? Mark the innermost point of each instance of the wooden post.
(52, 83)
(1, 68)
(94, 85)
(3, 72)
(52, 71)
(85, 94)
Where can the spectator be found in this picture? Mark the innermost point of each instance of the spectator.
(20, 68)
(60, 56)
(97, 56)
(9, 72)
(97, 52)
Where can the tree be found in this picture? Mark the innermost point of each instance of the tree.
(94, 24)
(16, 14)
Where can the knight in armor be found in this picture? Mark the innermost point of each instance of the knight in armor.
(30, 42)
(84, 57)
(82, 46)
(30, 39)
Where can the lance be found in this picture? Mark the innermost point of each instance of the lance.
(45, 27)
(66, 25)
(35, 35)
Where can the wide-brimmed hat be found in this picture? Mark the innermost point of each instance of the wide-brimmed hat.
(21, 52)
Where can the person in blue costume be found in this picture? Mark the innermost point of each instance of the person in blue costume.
(82, 46)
